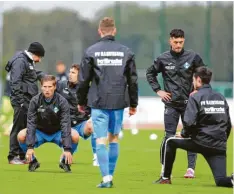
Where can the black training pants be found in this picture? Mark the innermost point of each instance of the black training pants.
(171, 120)
(19, 123)
(215, 158)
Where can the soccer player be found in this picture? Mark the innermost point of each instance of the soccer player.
(23, 86)
(48, 121)
(111, 69)
(207, 123)
(177, 67)
(80, 121)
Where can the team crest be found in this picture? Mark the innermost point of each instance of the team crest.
(186, 65)
(56, 109)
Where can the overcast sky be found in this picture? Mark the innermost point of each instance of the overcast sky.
(85, 8)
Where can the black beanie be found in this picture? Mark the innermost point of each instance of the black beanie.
(37, 49)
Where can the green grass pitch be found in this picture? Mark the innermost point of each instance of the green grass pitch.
(137, 167)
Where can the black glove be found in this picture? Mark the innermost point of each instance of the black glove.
(184, 134)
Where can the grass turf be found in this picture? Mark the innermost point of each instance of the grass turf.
(137, 167)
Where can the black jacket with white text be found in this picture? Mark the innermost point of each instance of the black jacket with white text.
(111, 69)
(207, 118)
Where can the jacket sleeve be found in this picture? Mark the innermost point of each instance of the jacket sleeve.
(87, 110)
(85, 76)
(65, 123)
(31, 123)
(198, 62)
(132, 81)
(40, 74)
(229, 123)
(151, 75)
(190, 115)
(17, 72)
(58, 86)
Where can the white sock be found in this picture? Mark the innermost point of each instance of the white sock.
(111, 177)
(94, 156)
(106, 179)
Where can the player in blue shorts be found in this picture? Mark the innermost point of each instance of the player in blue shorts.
(81, 122)
(48, 120)
(110, 68)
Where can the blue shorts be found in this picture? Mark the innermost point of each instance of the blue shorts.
(106, 121)
(42, 138)
(80, 129)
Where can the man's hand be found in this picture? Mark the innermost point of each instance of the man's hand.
(132, 111)
(178, 135)
(164, 95)
(195, 91)
(29, 155)
(25, 105)
(81, 108)
(68, 157)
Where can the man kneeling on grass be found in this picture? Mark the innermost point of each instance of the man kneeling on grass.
(207, 128)
(48, 121)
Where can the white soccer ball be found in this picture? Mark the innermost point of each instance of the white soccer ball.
(153, 136)
(121, 135)
(134, 131)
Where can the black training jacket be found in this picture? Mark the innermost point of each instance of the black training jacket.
(177, 71)
(49, 117)
(68, 91)
(111, 69)
(23, 79)
(207, 118)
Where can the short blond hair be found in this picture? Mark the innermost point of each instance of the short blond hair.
(47, 78)
(107, 24)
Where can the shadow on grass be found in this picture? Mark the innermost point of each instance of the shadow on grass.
(37, 171)
(82, 164)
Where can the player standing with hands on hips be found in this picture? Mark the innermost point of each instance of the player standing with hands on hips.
(177, 67)
(111, 69)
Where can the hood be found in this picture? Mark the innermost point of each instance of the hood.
(17, 55)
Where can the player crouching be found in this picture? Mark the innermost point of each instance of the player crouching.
(48, 121)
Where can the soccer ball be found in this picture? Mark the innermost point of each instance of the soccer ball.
(153, 136)
(134, 131)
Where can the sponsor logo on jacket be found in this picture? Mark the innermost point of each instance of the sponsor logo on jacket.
(211, 109)
(170, 66)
